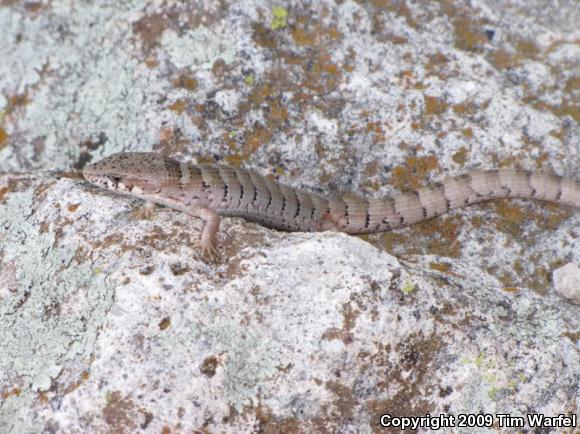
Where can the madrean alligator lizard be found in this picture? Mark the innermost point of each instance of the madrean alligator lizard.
(209, 191)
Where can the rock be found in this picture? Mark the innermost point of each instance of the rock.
(567, 282)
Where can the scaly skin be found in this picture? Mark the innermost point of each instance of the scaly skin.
(209, 191)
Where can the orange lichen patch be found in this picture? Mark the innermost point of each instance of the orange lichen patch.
(523, 49)
(16, 102)
(268, 423)
(262, 92)
(371, 169)
(185, 81)
(411, 174)
(436, 60)
(150, 29)
(308, 32)
(264, 36)
(416, 357)
(436, 236)
(468, 108)
(468, 34)
(502, 59)
(527, 49)
(76, 384)
(15, 391)
(573, 336)
(42, 397)
(33, 7)
(556, 215)
(321, 75)
(510, 289)
(467, 132)
(440, 236)
(73, 207)
(151, 62)
(519, 267)
(440, 266)
(120, 413)
(543, 158)
(565, 108)
(349, 317)
(572, 84)
(40, 190)
(434, 105)
(220, 68)
(560, 134)
(398, 7)
(368, 173)
(396, 39)
(512, 216)
(303, 74)
(539, 279)
(375, 128)
(3, 137)
(344, 401)
(178, 106)
(80, 255)
(302, 37)
(333, 33)
(209, 366)
(256, 138)
(510, 161)
(460, 157)
(437, 65)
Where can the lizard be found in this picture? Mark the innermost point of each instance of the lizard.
(210, 191)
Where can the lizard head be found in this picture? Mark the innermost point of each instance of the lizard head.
(127, 172)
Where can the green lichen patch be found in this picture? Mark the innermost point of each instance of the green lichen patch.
(279, 18)
(52, 318)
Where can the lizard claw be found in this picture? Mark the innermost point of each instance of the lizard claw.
(208, 251)
(145, 212)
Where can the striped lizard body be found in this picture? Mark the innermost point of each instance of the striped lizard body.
(209, 191)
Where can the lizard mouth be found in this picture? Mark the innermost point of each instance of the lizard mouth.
(93, 175)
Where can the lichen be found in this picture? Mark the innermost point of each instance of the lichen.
(279, 18)
(52, 318)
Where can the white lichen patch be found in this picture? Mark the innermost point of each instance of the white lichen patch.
(228, 100)
(50, 320)
(198, 48)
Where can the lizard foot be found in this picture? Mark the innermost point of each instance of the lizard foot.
(145, 212)
(209, 251)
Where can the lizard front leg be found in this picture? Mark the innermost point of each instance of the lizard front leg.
(145, 212)
(211, 225)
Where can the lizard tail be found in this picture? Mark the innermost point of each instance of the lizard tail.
(378, 215)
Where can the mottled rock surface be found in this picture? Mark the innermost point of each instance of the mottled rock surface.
(113, 325)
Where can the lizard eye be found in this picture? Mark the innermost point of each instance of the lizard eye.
(115, 179)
